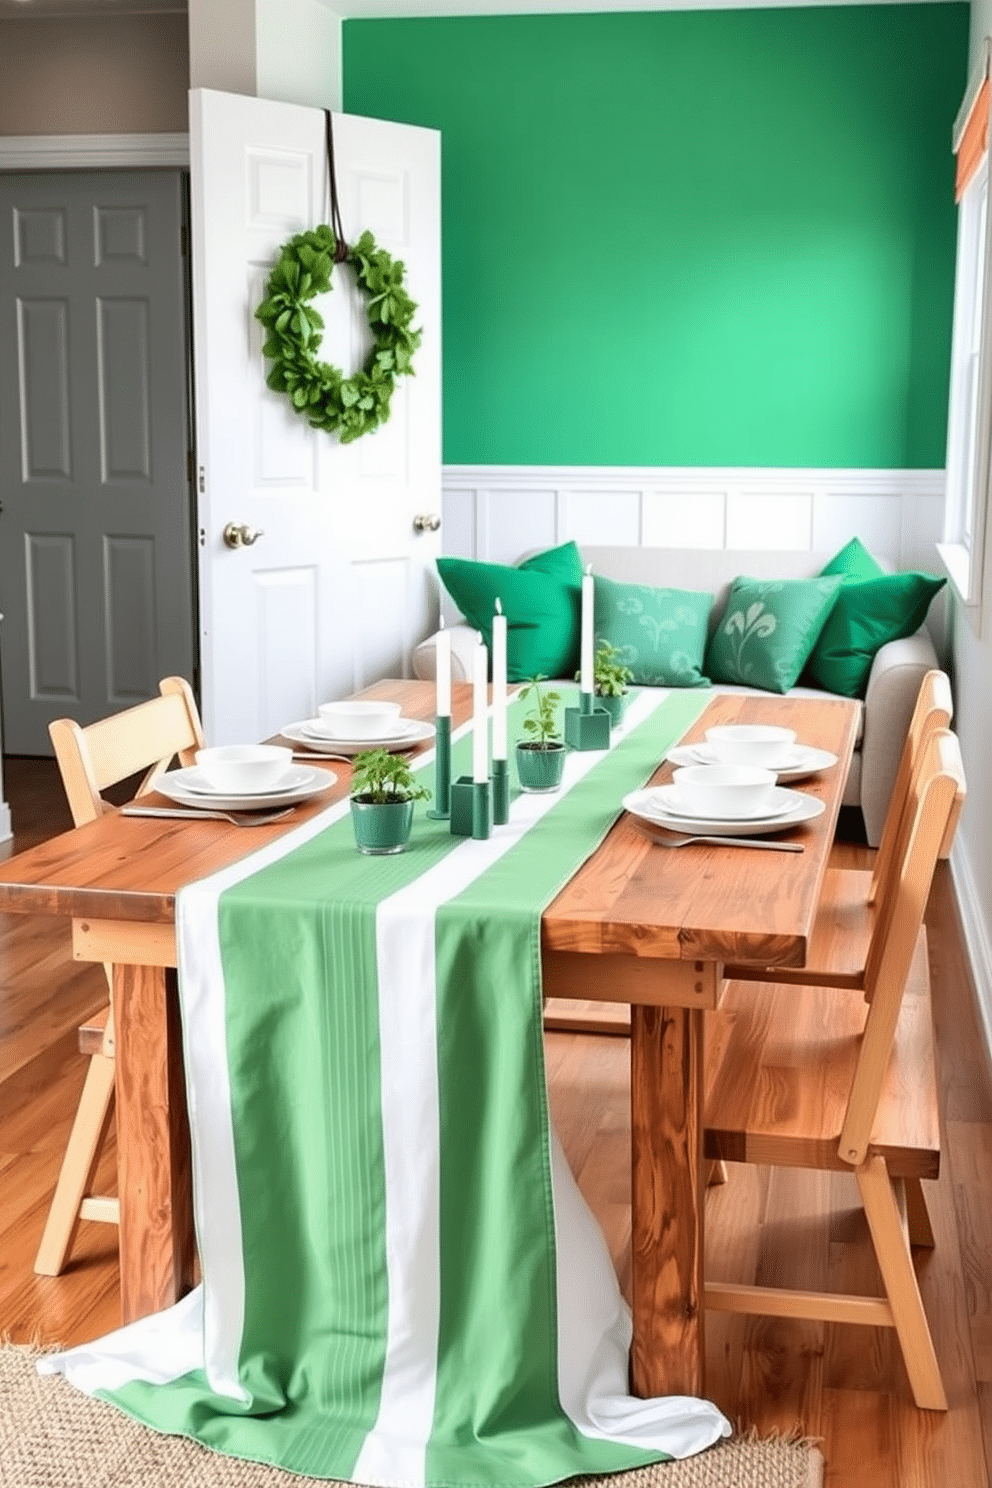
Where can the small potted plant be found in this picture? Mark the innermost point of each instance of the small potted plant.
(541, 756)
(383, 790)
(609, 681)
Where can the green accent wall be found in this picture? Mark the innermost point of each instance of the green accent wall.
(716, 237)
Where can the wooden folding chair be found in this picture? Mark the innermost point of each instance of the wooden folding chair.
(143, 738)
(852, 898)
(808, 1077)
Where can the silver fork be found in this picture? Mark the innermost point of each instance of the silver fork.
(236, 818)
(758, 842)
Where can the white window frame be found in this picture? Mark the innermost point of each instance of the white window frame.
(969, 419)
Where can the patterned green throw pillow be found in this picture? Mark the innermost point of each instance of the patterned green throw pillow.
(768, 630)
(660, 634)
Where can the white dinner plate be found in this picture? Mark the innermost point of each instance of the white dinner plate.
(415, 733)
(780, 801)
(649, 806)
(301, 783)
(802, 759)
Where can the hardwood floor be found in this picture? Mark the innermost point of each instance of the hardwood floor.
(845, 1386)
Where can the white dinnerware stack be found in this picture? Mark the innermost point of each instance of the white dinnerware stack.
(724, 791)
(354, 725)
(243, 777)
(244, 769)
(357, 720)
(751, 744)
(730, 783)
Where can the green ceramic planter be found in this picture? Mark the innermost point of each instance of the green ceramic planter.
(615, 706)
(539, 770)
(381, 828)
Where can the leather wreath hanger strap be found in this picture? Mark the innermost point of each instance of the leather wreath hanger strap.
(341, 247)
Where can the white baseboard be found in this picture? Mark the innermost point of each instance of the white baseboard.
(976, 935)
(6, 829)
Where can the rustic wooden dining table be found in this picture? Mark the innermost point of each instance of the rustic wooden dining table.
(636, 924)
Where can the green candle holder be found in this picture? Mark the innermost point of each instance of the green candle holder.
(471, 808)
(587, 727)
(501, 792)
(441, 809)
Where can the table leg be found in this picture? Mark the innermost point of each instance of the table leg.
(153, 1151)
(667, 1200)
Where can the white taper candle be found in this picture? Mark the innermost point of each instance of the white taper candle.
(499, 683)
(585, 652)
(480, 714)
(442, 673)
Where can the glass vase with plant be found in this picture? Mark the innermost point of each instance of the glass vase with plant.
(383, 792)
(609, 680)
(541, 755)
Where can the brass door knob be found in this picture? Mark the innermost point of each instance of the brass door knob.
(426, 522)
(240, 535)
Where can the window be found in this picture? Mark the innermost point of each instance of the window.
(969, 423)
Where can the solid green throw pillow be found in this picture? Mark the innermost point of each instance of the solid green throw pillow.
(768, 630)
(541, 598)
(868, 613)
(854, 562)
(659, 633)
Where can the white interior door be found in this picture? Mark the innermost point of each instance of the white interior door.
(338, 589)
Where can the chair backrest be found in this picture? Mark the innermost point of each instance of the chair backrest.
(933, 710)
(936, 796)
(146, 737)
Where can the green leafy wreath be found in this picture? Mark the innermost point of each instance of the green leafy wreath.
(356, 405)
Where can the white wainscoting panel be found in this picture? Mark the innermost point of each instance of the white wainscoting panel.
(877, 519)
(770, 519)
(603, 517)
(498, 512)
(684, 519)
(507, 514)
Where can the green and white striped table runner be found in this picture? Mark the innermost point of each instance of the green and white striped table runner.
(402, 1284)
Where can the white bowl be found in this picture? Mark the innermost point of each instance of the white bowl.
(359, 720)
(725, 791)
(751, 744)
(250, 768)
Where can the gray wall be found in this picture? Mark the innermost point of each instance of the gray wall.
(125, 74)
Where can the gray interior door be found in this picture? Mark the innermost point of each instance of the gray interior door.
(95, 554)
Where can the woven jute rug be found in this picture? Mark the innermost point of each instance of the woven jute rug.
(52, 1436)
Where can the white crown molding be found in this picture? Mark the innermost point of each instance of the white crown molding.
(767, 479)
(93, 151)
(976, 935)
